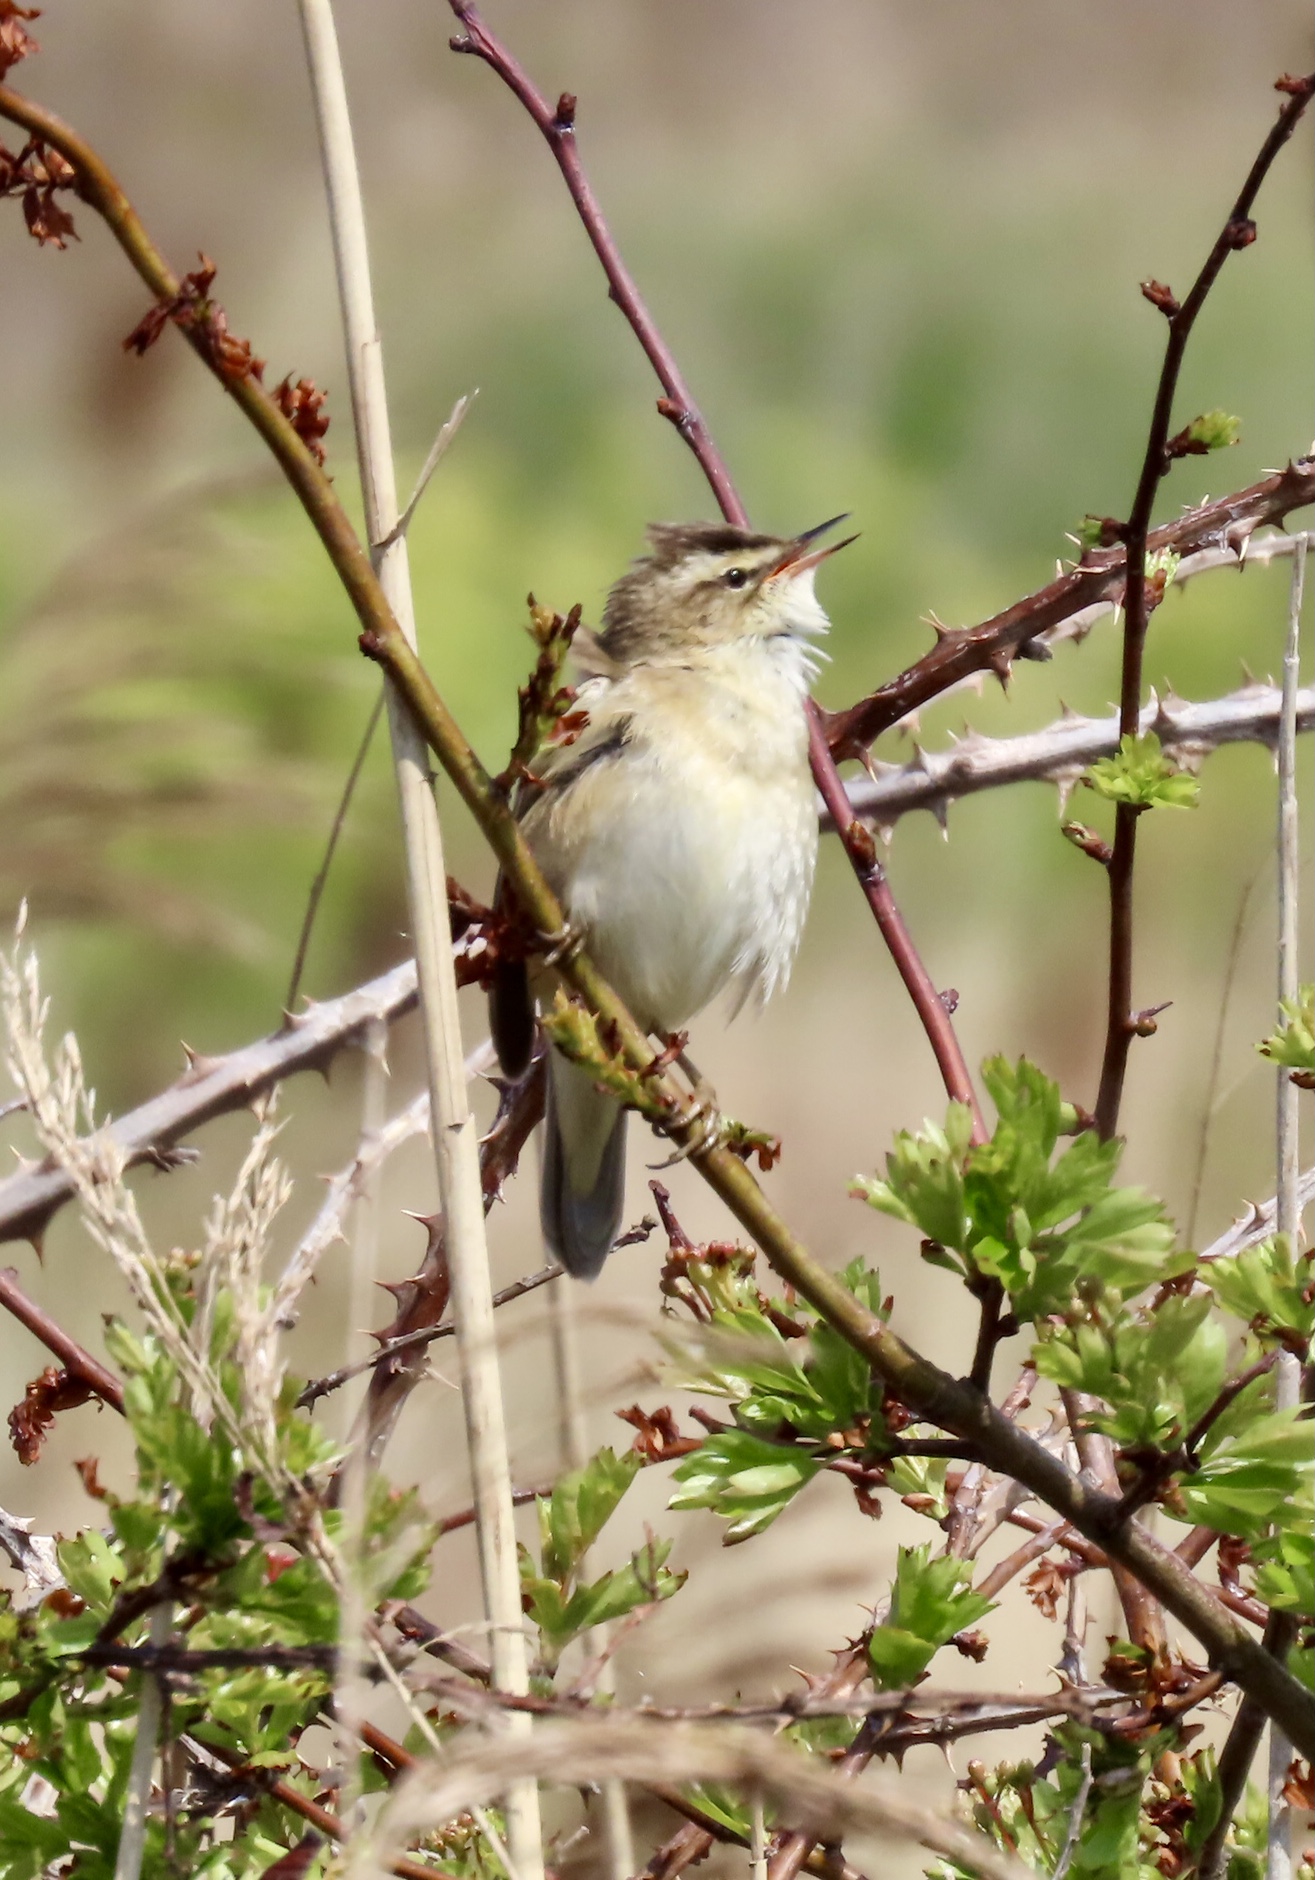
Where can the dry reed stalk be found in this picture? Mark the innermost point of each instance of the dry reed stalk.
(351, 1671)
(453, 1128)
(1287, 1385)
(667, 1755)
(574, 1447)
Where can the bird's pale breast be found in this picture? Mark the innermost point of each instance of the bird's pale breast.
(687, 854)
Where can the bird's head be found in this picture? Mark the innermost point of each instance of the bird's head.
(708, 584)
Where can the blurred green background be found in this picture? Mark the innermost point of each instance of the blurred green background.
(896, 248)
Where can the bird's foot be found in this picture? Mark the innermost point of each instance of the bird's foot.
(704, 1122)
(562, 945)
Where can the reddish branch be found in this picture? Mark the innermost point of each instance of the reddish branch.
(557, 124)
(78, 1363)
(1099, 577)
(1239, 231)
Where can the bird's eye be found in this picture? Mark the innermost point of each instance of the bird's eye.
(735, 577)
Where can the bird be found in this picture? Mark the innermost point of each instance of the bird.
(678, 829)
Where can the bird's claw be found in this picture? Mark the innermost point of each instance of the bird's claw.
(562, 945)
(704, 1120)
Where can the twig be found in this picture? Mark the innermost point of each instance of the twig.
(465, 1517)
(558, 128)
(1259, 1222)
(1212, 1099)
(437, 451)
(931, 1393)
(1079, 1809)
(1141, 1611)
(290, 1797)
(317, 886)
(1072, 1663)
(1238, 231)
(935, 779)
(1013, 1564)
(150, 1704)
(425, 1335)
(346, 1188)
(453, 1130)
(1287, 1383)
(78, 1362)
(1074, 599)
(1237, 1756)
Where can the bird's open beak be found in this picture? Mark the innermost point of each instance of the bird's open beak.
(798, 558)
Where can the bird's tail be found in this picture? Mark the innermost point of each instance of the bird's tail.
(584, 1169)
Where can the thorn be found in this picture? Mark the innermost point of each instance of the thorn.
(428, 1221)
(1065, 782)
(198, 1064)
(938, 626)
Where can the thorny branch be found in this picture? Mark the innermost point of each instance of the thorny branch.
(1097, 581)
(558, 127)
(933, 780)
(215, 1086)
(930, 1393)
(1141, 595)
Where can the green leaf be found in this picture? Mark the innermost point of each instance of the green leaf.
(924, 1179)
(94, 1570)
(1267, 1288)
(747, 1481)
(1043, 1222)
(1141, 775)
(1156, 1371)
(1293, 1043)
(1259, 1475)
(202, 1466)
(580, 1506)
(930, 1601)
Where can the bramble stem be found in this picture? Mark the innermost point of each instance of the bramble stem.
(1238, 232)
